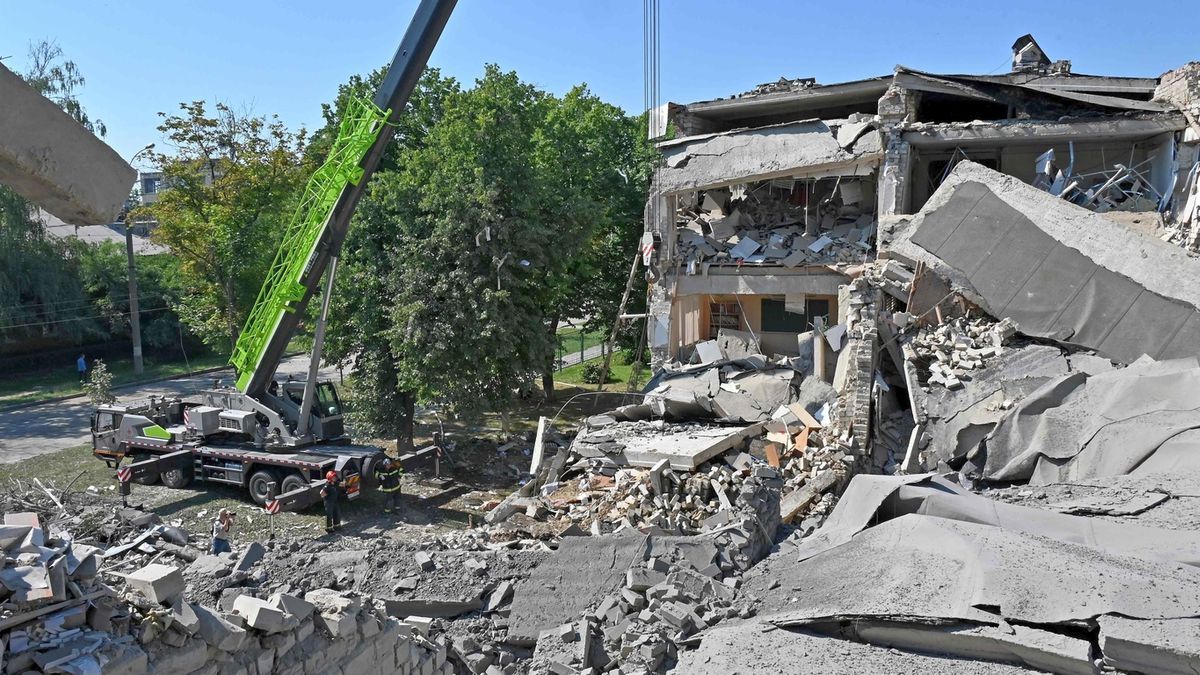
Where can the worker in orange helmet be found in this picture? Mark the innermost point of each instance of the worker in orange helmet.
(329, 492)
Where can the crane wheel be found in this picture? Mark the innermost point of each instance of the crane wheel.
(258, 485)
(292, 481)
(177, 478)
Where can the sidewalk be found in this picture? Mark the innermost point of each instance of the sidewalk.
(588, 354)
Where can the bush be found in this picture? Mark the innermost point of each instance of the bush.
(592, 372)
(99, 385)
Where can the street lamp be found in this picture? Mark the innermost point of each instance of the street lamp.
(135, 320)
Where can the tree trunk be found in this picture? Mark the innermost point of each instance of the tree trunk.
(548, 373)
(404, 440)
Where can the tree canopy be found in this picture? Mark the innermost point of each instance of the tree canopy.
(492, 220)
(232, 179)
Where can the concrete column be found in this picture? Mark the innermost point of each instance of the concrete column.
(894, 176)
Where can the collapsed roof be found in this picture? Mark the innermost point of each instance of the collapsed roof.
(1060, 271)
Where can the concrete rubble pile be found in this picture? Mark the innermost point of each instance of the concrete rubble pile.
(72, 607)
(972, 578)
(659, 590)
(949, 352)
(781, 222)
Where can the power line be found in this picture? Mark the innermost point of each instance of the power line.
(82, 318)
(65, 305)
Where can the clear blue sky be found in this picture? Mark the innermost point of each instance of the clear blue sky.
(287, 57)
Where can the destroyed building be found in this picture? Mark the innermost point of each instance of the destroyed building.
(766, 200)
(927, 401)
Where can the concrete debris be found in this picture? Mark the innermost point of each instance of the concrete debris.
(1139, 419)
(1059, 271)
(792, 223)
(781, 151)
(950, 352)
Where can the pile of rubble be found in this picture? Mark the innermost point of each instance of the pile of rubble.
(951, 351)
(782, 222)
(74, 607)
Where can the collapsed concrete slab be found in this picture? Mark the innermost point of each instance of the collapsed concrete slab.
(1144, 418)
(579, 574)
(958, 419)
(54, 162)
(684, 446)
(973, 572)
(763, 648)
(873, 499)
(808, 148)
(1162, 646)
(1060, 271)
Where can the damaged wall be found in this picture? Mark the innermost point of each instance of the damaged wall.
(795, 149)
(1058, 270)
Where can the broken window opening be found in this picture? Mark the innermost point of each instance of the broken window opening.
(935, 107)
(725, 315)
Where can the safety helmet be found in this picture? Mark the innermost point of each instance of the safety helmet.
(332, 475)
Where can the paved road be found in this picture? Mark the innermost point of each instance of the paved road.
(588, 354)
(44, 428)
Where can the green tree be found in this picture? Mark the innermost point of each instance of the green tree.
(41, 295)
(360, 326)
(103, 271)
(58, 80)
(232, 180)
(598, 161)
(496, 207)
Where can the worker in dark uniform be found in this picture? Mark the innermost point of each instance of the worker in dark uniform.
(333, 516)
(389, 484)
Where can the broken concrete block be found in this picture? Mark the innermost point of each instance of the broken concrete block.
(184, 617)
(408, 583)
(218, 632)
(159, 583)
(261, 615)
(253, 553)
(424, 561)
(420, 624)
(640, 578)
(208, 566)
(499, 596)
(301, 609)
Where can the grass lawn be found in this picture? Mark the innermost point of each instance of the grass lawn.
(568, 341)
(65, 381)
(573, 375)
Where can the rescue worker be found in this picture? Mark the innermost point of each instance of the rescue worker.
(329, 492)
(220, 532)
(389, 484)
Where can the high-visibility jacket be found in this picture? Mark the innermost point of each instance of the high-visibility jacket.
(389, 479)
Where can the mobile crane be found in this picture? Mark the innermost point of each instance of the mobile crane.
(264, 435)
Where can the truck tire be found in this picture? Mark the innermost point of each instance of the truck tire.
(258, 485)
(177, 478)
(147, 480)
(292, 481)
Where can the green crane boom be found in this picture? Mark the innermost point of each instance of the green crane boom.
(320, 223)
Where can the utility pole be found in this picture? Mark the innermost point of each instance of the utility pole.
(135, 322)
(135, 319)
